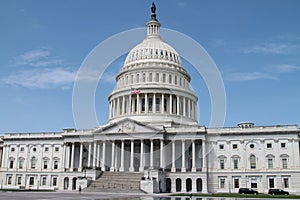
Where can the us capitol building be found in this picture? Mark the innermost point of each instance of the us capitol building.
(152, 141)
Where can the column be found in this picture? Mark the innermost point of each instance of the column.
(170, 104)
(177, 105)
(95, 154)
(122, 157)
(113, 108)
(4, 159)
(193, 156)
(110, 109)
(154, 103)
(138, 103)
(131, 169)
(63, 161)
(161, 162)
(72, 156)
(162, 103)
(189, 108)
(112, 165)
(142, 156)
(184, 109)
(183, 169)
(80, 157)
(151, 154)
(123, 105)
(17, 158)
(103, 156)
(203, 156)
(118, 106)
(173, 169)
(146, 103)
(90, 154)
(98, 155)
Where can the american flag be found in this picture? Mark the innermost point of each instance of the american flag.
(135, 91)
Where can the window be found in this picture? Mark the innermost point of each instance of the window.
(284, 163)
(55, 164)
(31, 181)
(170, 78)
(34, 149)
(221, 146)
(19, 180)
(150, 104)
(222, 183)
(236, 183)
(57, 149)
(21, 163)
(164, 78)
(286, 182)
(270, 163)
(235, 163)
(234, 146)
(44, 180)
(157, 77)
(157, 103)
(150, 77)
(144, 77)
(283, 145)
(252, 162)
(22, 149)
(54, 181)
(12, 149)
(11, 164)
(138, 78)
(33, 162)
(251, 146)
(222, 164)
(46, 149)
(143, 105)
(269, 145)
(45, 164)
(271, 183)
(253, 185)
(9, 180)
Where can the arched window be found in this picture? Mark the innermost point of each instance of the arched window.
(21, 162)
(33, 162)
(252, 162)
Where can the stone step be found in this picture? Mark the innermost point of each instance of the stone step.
(128, 182)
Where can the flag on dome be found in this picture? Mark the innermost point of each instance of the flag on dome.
(135, 91)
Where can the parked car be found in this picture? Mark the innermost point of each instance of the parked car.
(247, 191)
(278, 191)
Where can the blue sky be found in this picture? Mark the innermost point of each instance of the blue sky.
(254, 43)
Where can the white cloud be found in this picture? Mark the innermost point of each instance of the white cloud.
(268, 48)
(218, 43)
(249, 76)
(41, 78)
(285, 68)
(37, 58)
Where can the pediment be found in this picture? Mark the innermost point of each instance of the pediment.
(127, 126)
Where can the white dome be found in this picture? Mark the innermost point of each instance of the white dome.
(153, 48)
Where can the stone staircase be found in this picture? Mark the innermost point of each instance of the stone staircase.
(116, 182)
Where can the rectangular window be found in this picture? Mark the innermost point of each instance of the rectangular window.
(56, 149)
(270, 163)
(271, 183)
(54, 181)
(46, 149)
(286, 182)
(22, 149)
(150, 77)
(9, 180)
(253, 185)
(21, 163)
(222, 163)
(164, 78)
(12, 149)
(221, 146)
(45, 164)
(170, 78)
(234, 146)
(283, 145)
(236, 183)
(150, 104)
(269, 145)
(235, 163)
(44, 180)
(157, 77)
(55, 164)
(19, 180)
(11, 164)
(284, 163)
(31, 181)
(157, 103)
(222, 183)
(143, 105)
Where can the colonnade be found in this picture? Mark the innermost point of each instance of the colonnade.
(153, 103)
(133, 155)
